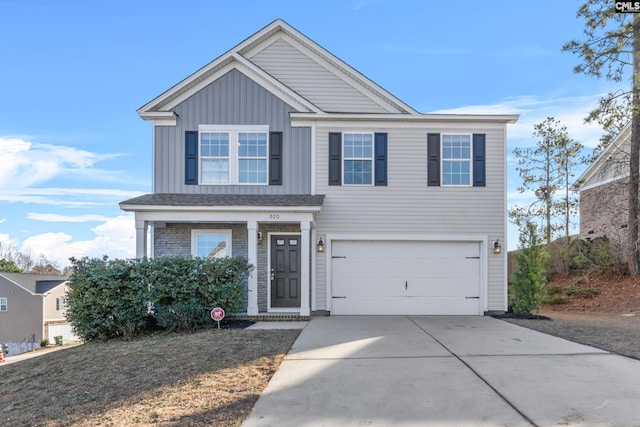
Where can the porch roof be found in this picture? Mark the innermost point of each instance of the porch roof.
(253, 201)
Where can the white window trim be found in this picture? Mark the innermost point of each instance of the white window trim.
(4, 302)
(372, 158)
(233, 158)
(470, 160)
(210, 231)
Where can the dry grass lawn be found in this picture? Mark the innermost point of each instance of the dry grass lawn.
(210, 378)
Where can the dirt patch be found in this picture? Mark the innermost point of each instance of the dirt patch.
(603, 312)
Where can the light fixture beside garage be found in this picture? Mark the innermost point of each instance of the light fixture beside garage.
(321, 245)
(496, 247)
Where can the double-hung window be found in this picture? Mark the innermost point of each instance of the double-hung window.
(214, 157)
(456, 160)
(211, 243)
(358, 158)
(61, 304)
(233, 155)
(252, 157)
(3, 304)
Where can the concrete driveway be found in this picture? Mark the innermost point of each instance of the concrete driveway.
(445, 371)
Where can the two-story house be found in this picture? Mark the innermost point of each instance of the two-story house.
(33, 307)
(344, 198)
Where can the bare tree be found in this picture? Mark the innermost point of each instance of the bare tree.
(25, 261)
(610, 48)
(546, 170)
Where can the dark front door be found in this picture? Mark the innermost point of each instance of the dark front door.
(285, 271)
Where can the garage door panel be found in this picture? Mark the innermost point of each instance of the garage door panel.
(435, 306)
(405, 277)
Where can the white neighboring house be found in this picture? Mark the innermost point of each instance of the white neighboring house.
(344, 198)
(32, 308)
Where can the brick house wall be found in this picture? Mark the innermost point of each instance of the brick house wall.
(603, 213)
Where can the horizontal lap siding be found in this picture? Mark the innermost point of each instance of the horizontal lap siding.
(408, 206)
(311, 80)
(233, 99)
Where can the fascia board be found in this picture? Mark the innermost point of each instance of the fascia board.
(405, 118)
(224, 216)
(165, 208)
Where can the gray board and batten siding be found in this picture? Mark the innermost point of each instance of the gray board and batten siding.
(233, 99)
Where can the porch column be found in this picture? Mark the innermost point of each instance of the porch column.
(252, 256)
(141, 239)
(305, 243)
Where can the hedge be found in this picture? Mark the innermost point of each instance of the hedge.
(126, 298)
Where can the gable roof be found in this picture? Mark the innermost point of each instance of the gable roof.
(36, 284)
(260, 56)
(605, 168)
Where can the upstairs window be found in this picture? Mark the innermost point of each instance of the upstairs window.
(358, 158)
(61, 304)
(456, 160)
(214, 157)
(229, 155)
(3, 304)
(252, 157)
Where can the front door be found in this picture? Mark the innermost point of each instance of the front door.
(285, 271)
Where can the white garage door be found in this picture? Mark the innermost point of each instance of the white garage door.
(405, 277)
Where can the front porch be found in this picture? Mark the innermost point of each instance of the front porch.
(270, 237)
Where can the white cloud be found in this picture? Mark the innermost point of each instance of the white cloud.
(67, 197)
(25, 164)
(115, 237)
(570, 111)
(2, 220)
(50, 217)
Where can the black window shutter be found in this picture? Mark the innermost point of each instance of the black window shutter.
(275, 158)
(191, 157)
(433, 159)
(335, 158)
(380, 153)
(479, 161)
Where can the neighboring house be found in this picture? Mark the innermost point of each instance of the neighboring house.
(344, 198)
(32, 307)
(604, 196)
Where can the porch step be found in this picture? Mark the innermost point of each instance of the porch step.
(272, 317)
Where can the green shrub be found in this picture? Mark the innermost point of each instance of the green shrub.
(127, 298)
(554, 290)
(591, 255)
(555, 299)
(528, 282)
(44, 343)
(582, 292)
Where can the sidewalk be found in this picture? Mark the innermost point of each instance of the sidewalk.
(9, 359)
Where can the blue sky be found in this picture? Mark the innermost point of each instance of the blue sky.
(73, 73)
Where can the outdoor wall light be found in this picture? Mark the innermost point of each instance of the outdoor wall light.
(321, 245)
(496, 247)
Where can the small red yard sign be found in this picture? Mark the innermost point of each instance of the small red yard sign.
(217, 314)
